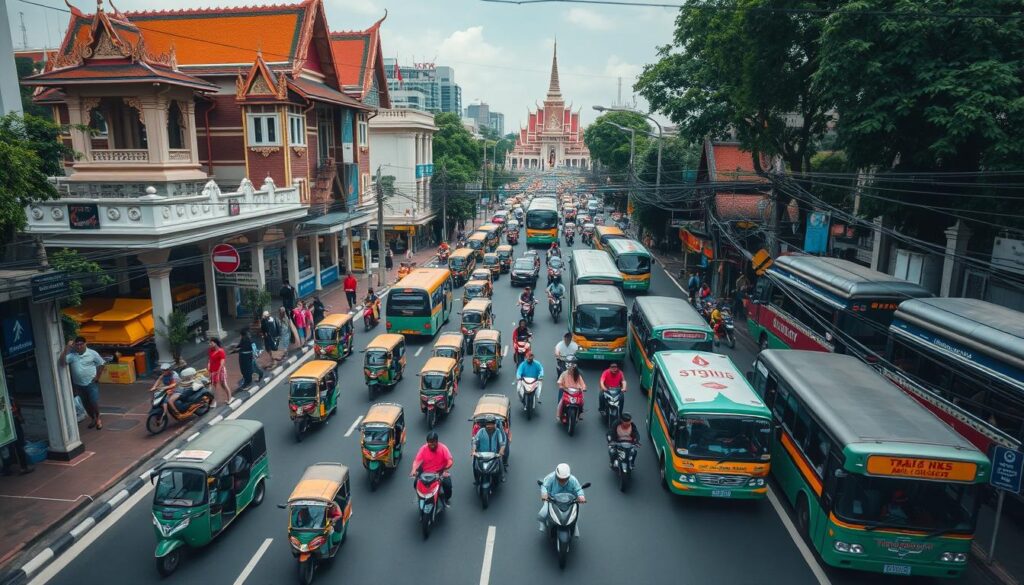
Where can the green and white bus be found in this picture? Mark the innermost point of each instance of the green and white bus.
(634, 263)
(878, 482)
(420, 303)
(593, 267)
(711, 431)
(542, 221)
(663, 324)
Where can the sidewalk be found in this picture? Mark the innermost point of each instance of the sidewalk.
(35, 504)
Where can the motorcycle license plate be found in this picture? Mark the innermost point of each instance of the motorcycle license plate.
(896, 569)
(572, 401)
(721, 493)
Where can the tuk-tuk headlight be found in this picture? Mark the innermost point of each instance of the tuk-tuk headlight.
(295, 542)
(167, 530)
(315, 543)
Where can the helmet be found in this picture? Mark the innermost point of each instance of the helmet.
(625, 417)
(527, 289)
(165, 366)
(431, 436)
(188, 372)
(562, 471)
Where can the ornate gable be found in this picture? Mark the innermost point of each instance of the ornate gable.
(261, 83)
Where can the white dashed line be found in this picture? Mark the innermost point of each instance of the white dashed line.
(251, 565)
(418, 351)
(355, 424)
(485, 570)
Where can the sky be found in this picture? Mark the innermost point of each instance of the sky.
(501, 53)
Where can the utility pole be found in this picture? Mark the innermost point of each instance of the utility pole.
(444, 205)
(382, 270)
(24, 31)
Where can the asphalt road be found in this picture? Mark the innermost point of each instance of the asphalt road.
(644, 536)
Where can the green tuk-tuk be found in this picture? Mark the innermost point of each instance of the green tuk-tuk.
(202, 489)
(318, 513)
(312, 394)
(384, 362)
(449, 345)
(476, 289)
(487, 355)
(493, 263)
(333, 337)
(476, 314)
(382, 439)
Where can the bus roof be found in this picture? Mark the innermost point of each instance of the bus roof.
(708, 381)
(858, 405)
(595, 262)
(543, 204)
(992, 329)
(598, 293)
(671, 312)
(424, 278)
(626, 246)
(848, 279)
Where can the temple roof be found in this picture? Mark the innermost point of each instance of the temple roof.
(358, 57)
(554, 91)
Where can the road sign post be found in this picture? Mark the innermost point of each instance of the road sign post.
(1007, 471)
(225, 258)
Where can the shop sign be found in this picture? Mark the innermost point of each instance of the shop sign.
(84, 216)
(18, 335)
(7, 434)
(234, 208)
(239, 279)
(50, 286)
(307, 286)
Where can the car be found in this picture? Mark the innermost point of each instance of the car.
(499, 217)
(533, 254)
(524, 272)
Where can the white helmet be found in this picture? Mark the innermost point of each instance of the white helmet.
(188, 373)
(562, 471)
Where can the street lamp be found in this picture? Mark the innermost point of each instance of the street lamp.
(661, 132)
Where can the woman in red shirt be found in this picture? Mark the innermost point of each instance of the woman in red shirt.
(218, 371)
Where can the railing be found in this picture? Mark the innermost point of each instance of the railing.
(119, 155)
(179, 155)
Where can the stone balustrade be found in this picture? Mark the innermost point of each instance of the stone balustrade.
(122, 155)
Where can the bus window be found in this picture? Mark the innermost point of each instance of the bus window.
(817, 447)
(601, 320)
(414, 303)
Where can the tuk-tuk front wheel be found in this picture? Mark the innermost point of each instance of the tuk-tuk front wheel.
(376, 476)
(431, 418)
(168, 563)
(306, 571)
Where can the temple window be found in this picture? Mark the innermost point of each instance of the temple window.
(296, 127)
(97, 123)
(120, 123)
(363, 132)
(263, 126)
(175, 127)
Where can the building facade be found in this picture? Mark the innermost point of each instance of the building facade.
(485, 117)
(430, 87)
(552, 137)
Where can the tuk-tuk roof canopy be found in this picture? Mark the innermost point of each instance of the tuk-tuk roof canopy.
(461, 253)
(477, 282)
(335, 320)
(438, 364)
(477, 305)
(504, 248)
(321, 481)
(386, 341)
(487, 335)
(315, 369)
(449, 339)
(383, 413)
(482, 271)
(477, 236)
(488, 227)
(490, 256)
(492, 404)
(217, 444)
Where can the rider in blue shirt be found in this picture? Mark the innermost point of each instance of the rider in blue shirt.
(530, 368)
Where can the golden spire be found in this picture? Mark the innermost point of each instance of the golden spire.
(554, 91)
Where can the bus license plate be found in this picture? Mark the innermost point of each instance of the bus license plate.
(896, 569)
(721, 493)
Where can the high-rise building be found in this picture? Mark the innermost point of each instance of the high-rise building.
(485, 117)
(423, 86)
(498, 122)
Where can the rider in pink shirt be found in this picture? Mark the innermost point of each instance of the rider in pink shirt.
(434, 457)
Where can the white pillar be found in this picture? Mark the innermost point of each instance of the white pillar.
(54, 380)
(332, 241)
(214, 328)
(291, 250)
(348, 250)
(314, 258)
(258, 267)
(879, 247)
(957, 237)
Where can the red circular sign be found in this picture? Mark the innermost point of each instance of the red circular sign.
(225, 258)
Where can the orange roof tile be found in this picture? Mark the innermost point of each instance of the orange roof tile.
(358, 57)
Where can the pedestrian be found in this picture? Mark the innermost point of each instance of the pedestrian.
(246, 351)
(287, 294)
(85, 366)
(299, 319)
(693, 285)
(271, 330)
(287, 331)
(218, 370)
(16, 450)
(350, 286)
(318, 310)
(307, 319)
(408, 254)
(742, 286)
(389, 259)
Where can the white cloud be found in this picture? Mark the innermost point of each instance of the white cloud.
(589, 19)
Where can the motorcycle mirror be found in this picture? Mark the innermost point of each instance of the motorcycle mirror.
(152, 476)
(282, 506)
(585, 486)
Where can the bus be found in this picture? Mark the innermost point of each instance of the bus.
(420, 303)
(593, 267)
(710, 430)
(604, 234)
(964, 360)
(878, 482)
(633, 261)
(597, 321)
(542, 221)
(802, 300)
(662, 324)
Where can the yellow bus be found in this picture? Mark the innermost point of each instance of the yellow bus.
(420, 303)
(604, 233)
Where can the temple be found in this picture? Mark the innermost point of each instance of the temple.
(552, 137)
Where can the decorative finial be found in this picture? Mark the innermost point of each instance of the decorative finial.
(99, 6)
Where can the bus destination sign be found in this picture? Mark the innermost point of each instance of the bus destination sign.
(915, 468)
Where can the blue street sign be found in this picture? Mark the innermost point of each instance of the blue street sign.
(1007, 466)
(18, 335)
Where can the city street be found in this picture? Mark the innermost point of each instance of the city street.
(642, 536)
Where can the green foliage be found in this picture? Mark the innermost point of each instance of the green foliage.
(25, 68)
(30, 153)
(456, 150)
(175, 330)
(837, 189)
(610, 145)
(255, 301)
(81, 272)
(387, 185)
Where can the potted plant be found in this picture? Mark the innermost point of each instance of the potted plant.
(176, 331)
(255, 301)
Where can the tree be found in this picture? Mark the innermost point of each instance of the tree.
(30, 152)
(678, 155)
(25, 68)
(457, 160)
(609, 145)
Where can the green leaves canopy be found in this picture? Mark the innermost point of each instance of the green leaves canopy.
(609, 145)
(30, 153)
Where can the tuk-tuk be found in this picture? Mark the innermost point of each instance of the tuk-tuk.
(504, 253)
(493, 263)
(493, 233)
(486, 355)
(384, 362)
(476, 289)
(202, 489)
(438, 388)
(312, 394)
(476, 314)
(498, 406)
(404, 268)
(587, 233)
(333, 337)
(449, 345)
(382, 438)
(482, 274)
(318, 513)
(477, 242)
(461, 263)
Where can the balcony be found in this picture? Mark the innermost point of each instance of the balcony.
(120, 155)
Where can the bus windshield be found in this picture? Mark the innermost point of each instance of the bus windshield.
(409, 303)
(181, 488)
(603, 320)
(907, 503)
(541, 219)
(726, 438)
(633, 264)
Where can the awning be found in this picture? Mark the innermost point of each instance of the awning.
(334, 222)
(695, 244)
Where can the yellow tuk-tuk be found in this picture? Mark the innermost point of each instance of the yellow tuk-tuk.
(384, 362)
(504, 253)
(482, 274)
(438, 388)
(476, 314)
(493, 263)
(382, 439)
(476, 289)
(312, 394)
(461, 263)
(333, 337)
(493, 233)
(486, 355)
(477, 242)
(318, 513)
(449, 345)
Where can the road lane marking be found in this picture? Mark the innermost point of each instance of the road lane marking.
(485, 570)
(504, 351)
(355, 424)
(253, 561)
(812, 562)
(418, 351)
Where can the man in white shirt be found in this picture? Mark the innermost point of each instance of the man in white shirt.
(565, 348)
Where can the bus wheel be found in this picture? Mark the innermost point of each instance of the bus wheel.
(661, 471)
(762, 343)
(803, 517)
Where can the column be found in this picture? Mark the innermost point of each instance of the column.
(957, 237)
(214, 328)
(291, 250)
(124, 285)
(314, 257)
(332, 241)
(880, 247)
(258, 266)
(348, 250)
(58, 405)
(160, 293)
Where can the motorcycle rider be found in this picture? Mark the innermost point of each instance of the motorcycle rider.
(371, 301)
(526, 299)
(166, 378)
(434, 457)
(556, 290)
(489, 439)
(443, 248)
(521, 333)
(559, 481)
(715, 318)
(611, 378)
(554, 250)
(570, 378)
(563, 349)
(530, 368)
(623, 432)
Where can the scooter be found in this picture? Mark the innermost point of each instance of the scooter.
(529, 389)
(560, 524)
(192, 403)
(522, 347)
(429, 499)
(624, 460)
(612, 398)
(555, 307)
(487, 470)
(512, 238)
(569, 239)
(370, 315)
(726, 328)
(572, 406)
(554, 274)
(442, 255)
(526, 311)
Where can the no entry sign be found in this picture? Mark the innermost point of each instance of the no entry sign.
(225, 258)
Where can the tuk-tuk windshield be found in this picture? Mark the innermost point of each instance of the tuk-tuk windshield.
(472, 318)
(376, 357)
(325, 333)
(457, 262)
(376, 435)
(484, 350)
(446, 352)
(181, 488)
(302, 389)
(433, 381)
(308, 516)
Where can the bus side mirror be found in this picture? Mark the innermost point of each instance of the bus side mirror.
(750, 377)
(840, 473)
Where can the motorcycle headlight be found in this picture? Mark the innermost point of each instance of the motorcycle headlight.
(552, 515)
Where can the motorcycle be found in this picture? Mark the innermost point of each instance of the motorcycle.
(560, 524)
(555, 307)
(569, 239)
(526, 310)
(528, 389)
(429, 499)
(554, 274)
(512, 238)
(371, 315)
(194, 402)
(725, 328)
(612, 398)
(522, 347)
(624, 453)
(442, 255)
(487, 470)
(572, 406)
